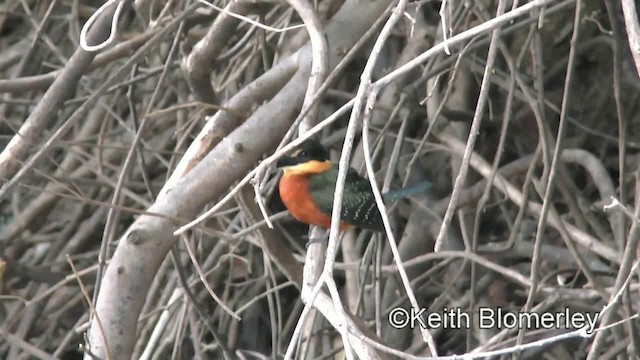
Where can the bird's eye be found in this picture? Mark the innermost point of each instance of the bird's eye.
(302, 153)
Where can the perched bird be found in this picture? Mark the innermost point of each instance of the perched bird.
(309, 182)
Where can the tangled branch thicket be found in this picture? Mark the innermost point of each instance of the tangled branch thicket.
(523, 115)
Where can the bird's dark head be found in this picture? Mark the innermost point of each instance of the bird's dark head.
(308, 158)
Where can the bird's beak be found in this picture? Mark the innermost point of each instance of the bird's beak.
(285, 161)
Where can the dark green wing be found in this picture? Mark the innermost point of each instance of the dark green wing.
(358, 207)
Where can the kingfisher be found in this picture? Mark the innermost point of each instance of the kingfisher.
(309, 182)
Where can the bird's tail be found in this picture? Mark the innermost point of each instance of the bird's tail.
(407, 191)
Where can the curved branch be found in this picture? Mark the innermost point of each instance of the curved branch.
(604, 184)
(62, 89)
(81, 112)
(320, 62)
(198, 64)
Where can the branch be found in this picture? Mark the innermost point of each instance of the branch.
(62, 89)
(320, 62)
(633, 30)
(199, 63)
(504, 186)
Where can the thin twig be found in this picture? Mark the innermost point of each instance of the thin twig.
(536, 261)
(473, 133)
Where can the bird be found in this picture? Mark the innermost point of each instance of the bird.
(308, 184)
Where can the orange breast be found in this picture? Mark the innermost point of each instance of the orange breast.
(294, 191)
